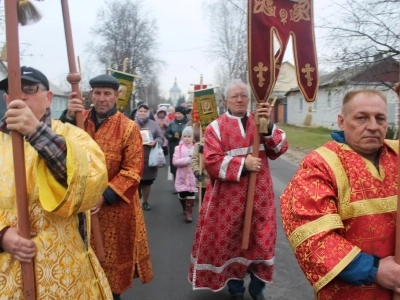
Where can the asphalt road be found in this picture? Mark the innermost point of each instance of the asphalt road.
(170, 240)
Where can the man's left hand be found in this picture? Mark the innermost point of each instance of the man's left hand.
(95, 209)
(264, 110)
(19, 117)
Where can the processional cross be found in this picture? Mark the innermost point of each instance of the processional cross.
(260, 69)
(307, 70)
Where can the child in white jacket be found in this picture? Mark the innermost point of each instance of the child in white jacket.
(185, 182)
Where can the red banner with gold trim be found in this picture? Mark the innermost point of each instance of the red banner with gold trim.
(281, 19)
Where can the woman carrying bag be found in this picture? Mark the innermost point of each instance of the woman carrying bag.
(150, 128)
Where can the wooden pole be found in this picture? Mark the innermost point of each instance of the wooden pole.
(251, 188)
(14, 91)
(250, 194)
(200, 166)
(397, 240)
(74, 78)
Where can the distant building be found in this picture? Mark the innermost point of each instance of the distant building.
(333, 86)
(175, 93)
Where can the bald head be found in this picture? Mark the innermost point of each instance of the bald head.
(366, 92)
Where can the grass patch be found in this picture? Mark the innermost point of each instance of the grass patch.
(306, 137)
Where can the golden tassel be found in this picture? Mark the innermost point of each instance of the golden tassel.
(262, 123)
(27, 13)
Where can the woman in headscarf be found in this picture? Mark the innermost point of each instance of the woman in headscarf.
(171, 113)
(162, 120)
(174, 134)
(156, 136)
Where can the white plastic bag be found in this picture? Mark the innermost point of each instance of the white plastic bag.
(156, 157)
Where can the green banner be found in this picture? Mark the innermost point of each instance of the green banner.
(126, 87)
(206, 106)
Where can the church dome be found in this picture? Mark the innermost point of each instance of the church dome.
(175, 88)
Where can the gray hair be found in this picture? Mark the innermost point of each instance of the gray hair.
(235, 83)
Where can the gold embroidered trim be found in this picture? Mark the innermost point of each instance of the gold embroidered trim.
(342, 180)
(337, 269)
(393, 144)
(370, 207)
(308, 230)
(283, 15)
(265, 6)
(349, 210)
(301, 11)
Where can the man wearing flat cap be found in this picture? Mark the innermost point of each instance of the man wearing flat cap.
(119, 209)
(52, 151)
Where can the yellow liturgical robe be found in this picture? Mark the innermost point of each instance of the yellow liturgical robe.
(64, 267)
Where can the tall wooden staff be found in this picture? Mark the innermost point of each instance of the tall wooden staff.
(74, 78)
(266, 19)
(196, 122)
(397, 241)
(14, 91)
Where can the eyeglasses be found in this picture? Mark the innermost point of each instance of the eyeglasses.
(235, 97)
(31, 89)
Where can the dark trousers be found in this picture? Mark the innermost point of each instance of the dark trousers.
(236, 287)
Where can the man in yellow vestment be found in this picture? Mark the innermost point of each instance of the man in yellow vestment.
(120, 214)
(339, 210)
(66, 174)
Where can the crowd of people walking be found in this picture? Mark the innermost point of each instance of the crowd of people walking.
(337, 211)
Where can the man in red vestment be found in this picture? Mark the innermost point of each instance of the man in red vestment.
(217, 257)
(339, 210)
(120, 214)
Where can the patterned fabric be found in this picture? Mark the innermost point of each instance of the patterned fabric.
(336, 205)
(122, 224)
(49, 145)
(217, 255)
(64, 268)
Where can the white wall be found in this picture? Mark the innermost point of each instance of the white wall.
(327, 106)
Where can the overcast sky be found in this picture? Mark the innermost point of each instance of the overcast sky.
(183, 39)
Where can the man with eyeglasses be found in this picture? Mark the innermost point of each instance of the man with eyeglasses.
(119, 210)
(53, 152)
(217, 257)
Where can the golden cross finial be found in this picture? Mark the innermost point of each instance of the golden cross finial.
(260, 69)
(307, 70)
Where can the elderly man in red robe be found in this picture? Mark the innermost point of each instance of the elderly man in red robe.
(217, 257)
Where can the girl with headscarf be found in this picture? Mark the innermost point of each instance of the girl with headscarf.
(174, 134)
(185, 182)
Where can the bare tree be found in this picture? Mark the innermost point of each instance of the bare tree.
(124, 30)
(151, 93)
(228, 45)
(362, 34)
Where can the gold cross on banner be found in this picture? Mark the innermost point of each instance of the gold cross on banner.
(307, 70)
(260, 69)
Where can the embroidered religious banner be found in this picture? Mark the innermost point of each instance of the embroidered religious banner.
(206, 106)
(270, 20)
(195, 111)
(126, 86)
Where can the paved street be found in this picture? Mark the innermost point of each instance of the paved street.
(171, 238)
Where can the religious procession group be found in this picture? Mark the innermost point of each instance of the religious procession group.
(338, 211)
(170, 132)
